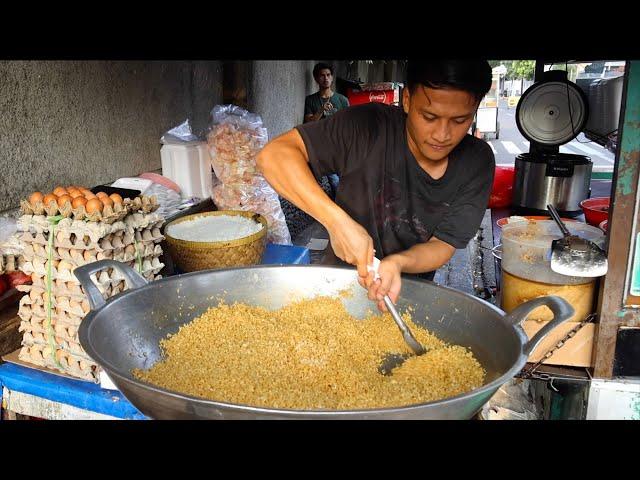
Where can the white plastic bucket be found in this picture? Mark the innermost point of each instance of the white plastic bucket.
(189, 166)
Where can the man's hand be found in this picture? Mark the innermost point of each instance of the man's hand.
(351, 243)
(389, 282)
(327, 106)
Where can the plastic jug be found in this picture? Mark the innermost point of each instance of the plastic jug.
(189, 166)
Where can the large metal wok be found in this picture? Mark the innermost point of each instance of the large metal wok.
(123, 333)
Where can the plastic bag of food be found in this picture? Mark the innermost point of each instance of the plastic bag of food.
(235, 137)
(257, 196)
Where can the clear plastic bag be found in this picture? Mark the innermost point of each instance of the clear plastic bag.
(235, 137)
(8, 228)
(180, 135)
(257, 196)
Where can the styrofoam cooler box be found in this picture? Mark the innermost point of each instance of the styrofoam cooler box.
(189, 166)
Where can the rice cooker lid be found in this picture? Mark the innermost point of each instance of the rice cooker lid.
(553, 111)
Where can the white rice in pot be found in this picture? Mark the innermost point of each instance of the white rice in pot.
(214, 228)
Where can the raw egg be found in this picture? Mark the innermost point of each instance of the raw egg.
(35, 198)
(106, 201)
(62, 199)
(94, 205)
(116, 198)
(59, 191)
(48, 198)
(101, 195)
(77, 201)
(75, 193)
(89, 196)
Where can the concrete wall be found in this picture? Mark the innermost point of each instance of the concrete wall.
(90, 122)
(277, 90)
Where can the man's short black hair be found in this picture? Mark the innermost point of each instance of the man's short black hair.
(473, 76)
(321, 66)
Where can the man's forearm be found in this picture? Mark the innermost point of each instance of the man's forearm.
(284, 164)
(424, 257)
(314, 117)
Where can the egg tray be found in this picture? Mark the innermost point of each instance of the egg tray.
(79, 257)
(68, 305)
(11, 263)
(38, 313)
(38, 329)
(110, 242)
(150, 266)
(70, 289)
(73, 365)
(103, 279)
(109, 214)
(66, 313)
(33, 337)
(137, 221)
(27, 311)
(82, 235)
(96, 231)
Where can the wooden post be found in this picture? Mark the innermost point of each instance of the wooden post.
(615, 301)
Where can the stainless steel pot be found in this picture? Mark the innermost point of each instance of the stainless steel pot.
(123, 333)
(561, 180)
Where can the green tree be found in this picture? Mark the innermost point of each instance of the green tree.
(521, 69)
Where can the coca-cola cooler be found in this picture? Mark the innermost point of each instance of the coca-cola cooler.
(385, 92)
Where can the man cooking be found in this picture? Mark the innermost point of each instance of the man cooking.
(414, 186)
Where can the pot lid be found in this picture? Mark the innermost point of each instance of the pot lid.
(553, 111)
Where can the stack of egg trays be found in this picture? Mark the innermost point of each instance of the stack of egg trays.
(77, 243)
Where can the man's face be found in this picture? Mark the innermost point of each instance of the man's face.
(437, 120)
(324, 78)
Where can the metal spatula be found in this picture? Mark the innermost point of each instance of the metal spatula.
(575, 256)
(392, 360)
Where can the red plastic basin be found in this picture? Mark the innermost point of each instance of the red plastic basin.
(596, 210)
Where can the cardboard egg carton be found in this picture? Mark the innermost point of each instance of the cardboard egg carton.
(38, 314)
(74, 365)
(69, 234)
(34, 337)
(62, 344)
(65, 304)
(65, 332)
(72, 289)
(82, 257)
(144, 204)
(11, 263)
(96, 231)
(109, 281)
(137, 221)
(108, 215)
(63, 269)
(71, 241)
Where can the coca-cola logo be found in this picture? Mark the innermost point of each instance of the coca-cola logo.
(377, 97)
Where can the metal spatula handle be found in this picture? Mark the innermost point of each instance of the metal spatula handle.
(556, 217)
(406, 333)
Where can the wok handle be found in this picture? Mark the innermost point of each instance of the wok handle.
(83, 274)
(562, 311)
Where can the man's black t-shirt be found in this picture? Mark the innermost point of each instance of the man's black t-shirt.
(384, 189)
